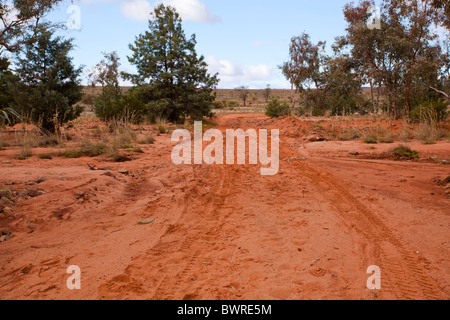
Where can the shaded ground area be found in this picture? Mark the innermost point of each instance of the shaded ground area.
(226, 232)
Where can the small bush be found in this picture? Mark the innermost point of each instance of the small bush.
(28, 139)
(45, 156)
(233, 104)
(92, 149)
(126, 146)
(351, 133)
(147, 139)
(25, 153)
(72, 154)
(371, 135)
(162, 129)
(405, 133)
(116, 156)
(405, 152)
(387, 136)
(123, 128)
(48, 140)
(429, 132)
(161, 125)
(276, 109)
(218, 105)
(370, 141)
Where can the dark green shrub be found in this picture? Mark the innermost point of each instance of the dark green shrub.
(370, 141)
(45, 156)
(405, 152)
(276, 109)
(72, 154)
(218, 105)
(162, 129)
(49, 86)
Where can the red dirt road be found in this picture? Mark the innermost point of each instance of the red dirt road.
(226, 232)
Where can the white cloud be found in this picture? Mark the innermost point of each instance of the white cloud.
(258, 44)
(136, 9)
(233, 75)
(223, 67)
(193, 10)
(260, 72)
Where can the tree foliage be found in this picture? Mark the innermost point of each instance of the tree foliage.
(20, 18)
(49, 84)
(302, 68)
(7, 114)
(402, 58)
(326, 83)
(174, 79)
(276, 109)
(106, 73)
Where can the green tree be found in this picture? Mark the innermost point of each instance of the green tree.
(49, 85)
(20, 18)
(175, 79)
(7, 114)
(276, 109)
(341, 81)
(106, 73)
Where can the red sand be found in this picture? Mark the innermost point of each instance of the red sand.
(226, 232)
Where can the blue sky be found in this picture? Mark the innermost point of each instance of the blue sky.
(243, 40)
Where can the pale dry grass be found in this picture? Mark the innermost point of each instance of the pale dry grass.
(430, 130)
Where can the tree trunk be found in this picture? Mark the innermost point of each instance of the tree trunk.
(371, 95)
(408, 94)
(292, 99)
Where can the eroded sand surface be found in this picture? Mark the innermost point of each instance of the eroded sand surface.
(226, 232)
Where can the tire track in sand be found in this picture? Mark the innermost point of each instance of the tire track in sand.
(174, 269)
(402, 273)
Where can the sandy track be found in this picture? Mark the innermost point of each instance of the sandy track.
(226, 232)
